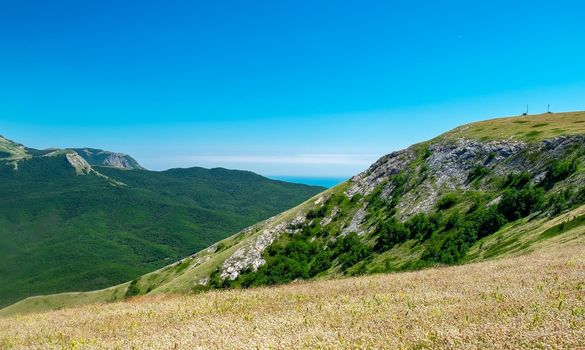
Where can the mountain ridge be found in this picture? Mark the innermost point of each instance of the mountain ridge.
(456, 198)
(66, 224)
(13, 151)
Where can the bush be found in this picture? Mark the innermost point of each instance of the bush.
(133, 289)
(421, 226)
(447, 201)
(517, 181)
(477, 173)
(316, 213)
(321, 262)
(560, 201)
(350, 250)
(390, 233)
(486, 221)
(518, 204)
(559, 170)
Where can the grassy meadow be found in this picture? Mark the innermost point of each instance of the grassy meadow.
(530, 128)
(530, 301)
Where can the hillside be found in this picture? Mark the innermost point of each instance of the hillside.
(529, 302)
(491, 189)
(67, 224)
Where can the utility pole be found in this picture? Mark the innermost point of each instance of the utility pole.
(526, 113)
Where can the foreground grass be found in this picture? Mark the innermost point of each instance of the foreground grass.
(531, 301)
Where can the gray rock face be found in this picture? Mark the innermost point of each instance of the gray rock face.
(381, 170)
(98, 157)
(355, 223)
(118, 160)
(450, 163)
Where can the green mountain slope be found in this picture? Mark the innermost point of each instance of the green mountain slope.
(65, 225)
(484, 190)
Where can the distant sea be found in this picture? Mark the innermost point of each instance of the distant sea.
(317, 181)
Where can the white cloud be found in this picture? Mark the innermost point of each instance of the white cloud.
(324, 159)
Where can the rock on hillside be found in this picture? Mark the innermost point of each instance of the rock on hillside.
(98, 157)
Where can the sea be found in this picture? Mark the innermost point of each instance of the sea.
(327, 182)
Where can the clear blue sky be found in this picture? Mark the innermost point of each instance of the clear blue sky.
(318, 88)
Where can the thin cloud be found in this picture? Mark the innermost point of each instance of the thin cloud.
(330, 159)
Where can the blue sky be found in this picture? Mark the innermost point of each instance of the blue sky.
(297, 88)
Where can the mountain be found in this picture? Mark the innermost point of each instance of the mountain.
(86, 219)
(485, 190)
(12, 151)
(98, 157)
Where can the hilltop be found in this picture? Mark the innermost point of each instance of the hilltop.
(485, 190)
(83, 219)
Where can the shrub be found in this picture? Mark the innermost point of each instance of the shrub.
(447, 201)
(133, 289)
(518, 204)
(559, 201)
(477, 172)
(421, 226)
(486, 221)
(351, 250)
(517, 180)
(391, 233)
(316, 213)
(559, 170)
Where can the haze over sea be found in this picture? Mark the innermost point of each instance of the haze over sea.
(318, 181)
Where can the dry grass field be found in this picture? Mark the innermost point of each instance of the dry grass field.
(531, 301)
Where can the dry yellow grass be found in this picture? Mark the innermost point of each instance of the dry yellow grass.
(531, 301)
(529, 128)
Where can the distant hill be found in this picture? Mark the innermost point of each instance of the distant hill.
(81, 219)
(490, 189)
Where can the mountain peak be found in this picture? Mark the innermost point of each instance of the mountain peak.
(12, 151)
(99, 157)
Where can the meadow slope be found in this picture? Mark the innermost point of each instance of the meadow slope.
(529, 301)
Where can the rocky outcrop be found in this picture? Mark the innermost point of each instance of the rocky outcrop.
(81, 166)
(118, 160)
(100, 157)
(449, 167)
(249, 256)
(391, 164)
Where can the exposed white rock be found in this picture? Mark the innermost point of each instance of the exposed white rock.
(81, 166)
(356, 222)
(249, 257)
(327, 220)
(118, 160)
